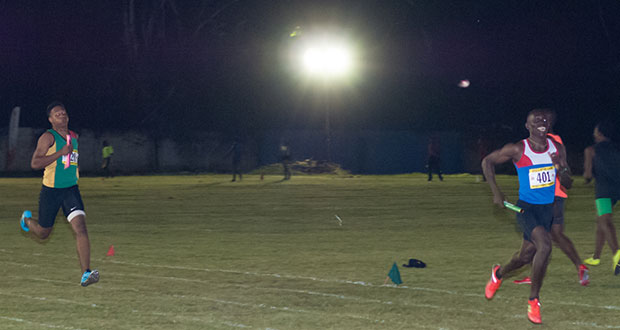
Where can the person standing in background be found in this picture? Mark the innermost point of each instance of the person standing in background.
(285, 158)
(434, 158)
(106, 153)
(236, 149)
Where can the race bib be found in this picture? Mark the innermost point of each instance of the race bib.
(542, 177)
(73, 158)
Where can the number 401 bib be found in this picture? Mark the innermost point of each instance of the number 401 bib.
(536, 174)
(542, 177)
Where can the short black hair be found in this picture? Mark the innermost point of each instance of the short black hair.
(606, 127)
(53, 105)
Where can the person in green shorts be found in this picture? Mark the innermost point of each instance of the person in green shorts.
(59, 158)
(602, 161)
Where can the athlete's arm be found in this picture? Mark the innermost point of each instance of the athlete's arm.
(40, 159)
(508, 152)
(561, 165)
(588, 156)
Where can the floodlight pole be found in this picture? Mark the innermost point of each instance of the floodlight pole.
(328, 131)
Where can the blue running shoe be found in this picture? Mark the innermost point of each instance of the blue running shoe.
(89, 278)
(22, 221)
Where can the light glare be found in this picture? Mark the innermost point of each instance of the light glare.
(327, 61)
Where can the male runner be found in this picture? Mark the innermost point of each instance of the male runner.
(536, 159)
(60, 187)
(557, 224)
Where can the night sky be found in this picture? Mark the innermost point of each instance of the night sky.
(223, 66)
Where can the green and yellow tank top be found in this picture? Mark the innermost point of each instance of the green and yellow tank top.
(55, 174)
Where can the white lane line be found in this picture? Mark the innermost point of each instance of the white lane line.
(60, 300)
(45, 325)
(595, 325)
(286, 309)
(366, 284)
(608, 307)
(169, 315)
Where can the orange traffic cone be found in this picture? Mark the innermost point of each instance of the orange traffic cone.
(110, 251)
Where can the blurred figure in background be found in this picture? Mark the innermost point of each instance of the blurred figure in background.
(285, 158)
(434, 158)
(106, 153)
(236, 150)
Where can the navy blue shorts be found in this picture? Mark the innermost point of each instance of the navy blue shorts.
(52, 199)
(534, 215)
(558, 211)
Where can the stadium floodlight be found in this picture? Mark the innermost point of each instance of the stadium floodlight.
(327, 61)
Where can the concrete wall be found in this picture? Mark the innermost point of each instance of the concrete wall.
(367, 152)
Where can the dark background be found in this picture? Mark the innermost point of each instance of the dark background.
(222, 65)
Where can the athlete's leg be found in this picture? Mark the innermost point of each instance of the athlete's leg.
(78, 223)
(542, 241)
(605, 222)
(36, 229)
(49, 203)
(519, 259)
(429, 166)
(565, 244)
(599, 239)
(557, 232)
(439, 170)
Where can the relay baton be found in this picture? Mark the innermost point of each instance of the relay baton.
(513, 207)
(68, 159)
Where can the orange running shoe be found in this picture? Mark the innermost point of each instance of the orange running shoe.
(584, 278)
(533, 311)
(525, 280)
(493, 284)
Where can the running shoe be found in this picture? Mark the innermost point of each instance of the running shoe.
(592, 262)
(533, 311)
(493, 284)
(584, 277)
(525, 280)
(22, 221)
(90, 277)
(617, 263)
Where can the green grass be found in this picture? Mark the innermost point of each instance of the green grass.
(200, 252)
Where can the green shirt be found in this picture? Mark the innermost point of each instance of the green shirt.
(107, 151)
(55, 174)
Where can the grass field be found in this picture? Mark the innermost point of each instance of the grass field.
(201, 252)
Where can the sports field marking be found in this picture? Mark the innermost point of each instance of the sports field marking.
(221, 301)
(66, 301)
(286, 309)
(594, 325)
(361, 283)
(312, 278)
(337, 296)
(44, 325)
(365, 300)
(575, 323)
(60, 300)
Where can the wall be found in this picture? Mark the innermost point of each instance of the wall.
(367, 152)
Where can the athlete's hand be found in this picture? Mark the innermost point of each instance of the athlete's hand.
(67, 149)
(498, 199)
(555, 159)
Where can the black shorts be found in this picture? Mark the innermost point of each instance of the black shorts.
(558, 211)
(534, 215)
(52, 199)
